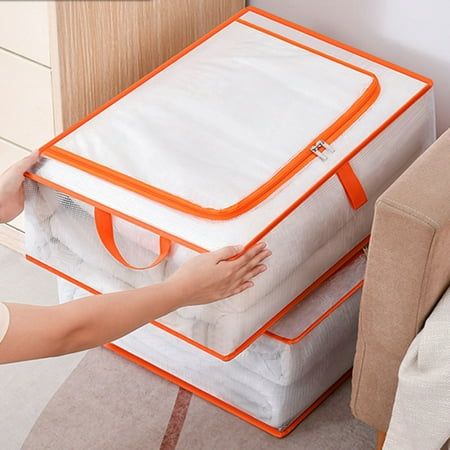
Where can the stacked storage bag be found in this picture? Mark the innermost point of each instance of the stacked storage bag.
(261, 130)
(277, 381)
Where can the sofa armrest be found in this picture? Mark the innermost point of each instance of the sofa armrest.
(408, 270)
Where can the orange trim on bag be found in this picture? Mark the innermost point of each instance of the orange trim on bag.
(325, 178)
(220, 403)
(343, 261)
(339, 44)
(105, 231)
(189, 387)
(321, 181)
(114, 212)
(327, 313)
(268, 188)
(343, 299)
(352, 186)
(265, 190)
(142, 80)
(61, 274)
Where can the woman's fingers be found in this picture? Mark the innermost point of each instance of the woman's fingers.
(243, 287)
(257, 259)
(13, 177)
(226, 253)
(254, 272)
(248, 256)
(21, 166)
(26, 163)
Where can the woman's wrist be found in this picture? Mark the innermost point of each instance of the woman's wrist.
(173, 295)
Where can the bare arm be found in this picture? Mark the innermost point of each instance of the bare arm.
(39, 331)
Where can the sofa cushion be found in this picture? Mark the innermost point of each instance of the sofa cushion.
(408, 271)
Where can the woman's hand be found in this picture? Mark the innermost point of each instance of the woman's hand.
(11, 188)
(213, 276)
(42, 331)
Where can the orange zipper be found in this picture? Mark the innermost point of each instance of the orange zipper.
(302, 334)
(335, 130)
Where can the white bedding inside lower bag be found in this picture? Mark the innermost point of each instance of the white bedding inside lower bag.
(272, 381)
(305, 244)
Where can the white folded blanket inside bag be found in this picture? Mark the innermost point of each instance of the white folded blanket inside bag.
(272, 381)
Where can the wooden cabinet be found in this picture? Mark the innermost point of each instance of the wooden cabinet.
(59, 60)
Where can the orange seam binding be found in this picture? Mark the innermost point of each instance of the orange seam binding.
(114, 212)
(327, 176)
(266, 189)
(326, 314)
(136, 84)
(343, 261)
(339, 44)
(269, 187)
(299, 201)
(189, 387)
(61, 274)
(222, 404)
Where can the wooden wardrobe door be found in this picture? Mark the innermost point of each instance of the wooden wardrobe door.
(104, 46)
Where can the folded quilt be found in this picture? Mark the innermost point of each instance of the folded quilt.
(272, 380)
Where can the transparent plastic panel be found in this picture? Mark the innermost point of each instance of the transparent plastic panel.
(271, 380)
(61, 233)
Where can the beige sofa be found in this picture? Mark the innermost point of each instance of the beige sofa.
(408, 271)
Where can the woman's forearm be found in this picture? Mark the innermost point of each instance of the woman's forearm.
(39, 331)
(93, 324)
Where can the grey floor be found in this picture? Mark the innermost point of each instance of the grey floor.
(27, 387)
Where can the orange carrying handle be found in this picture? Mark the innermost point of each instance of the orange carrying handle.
(105, 231)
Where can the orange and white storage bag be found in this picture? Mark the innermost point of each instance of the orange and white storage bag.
(261, 130)
(279, 379)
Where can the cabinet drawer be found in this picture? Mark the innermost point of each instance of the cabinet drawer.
(24, 29)
(26, 112)
(9, 154)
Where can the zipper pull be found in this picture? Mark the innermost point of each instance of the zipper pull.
(327, 146)
(316, 150)
(322, 144)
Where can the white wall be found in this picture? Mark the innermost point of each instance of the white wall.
(412, 33)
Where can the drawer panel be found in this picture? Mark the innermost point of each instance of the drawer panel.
(26, 111)
(24, 29)
(9, 154)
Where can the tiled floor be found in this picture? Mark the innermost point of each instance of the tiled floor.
(27, 387)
